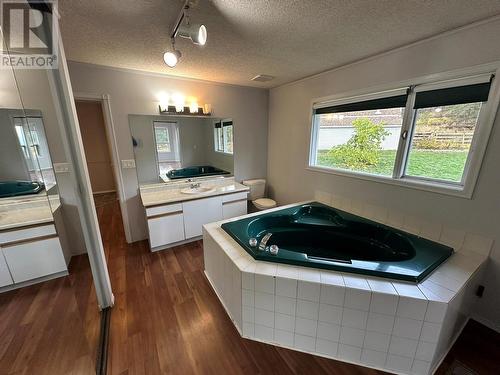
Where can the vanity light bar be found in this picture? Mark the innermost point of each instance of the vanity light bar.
(172, 110)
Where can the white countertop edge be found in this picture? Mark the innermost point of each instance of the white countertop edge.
(238, 188)
(22, 225)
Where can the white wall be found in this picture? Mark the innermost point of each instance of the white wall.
(288, 143)
(138, 93)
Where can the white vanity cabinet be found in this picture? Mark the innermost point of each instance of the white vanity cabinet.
(175, 223)
(30, 253)
(31, 260)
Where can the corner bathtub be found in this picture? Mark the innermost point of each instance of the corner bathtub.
(18, 188)
(195, 171)
(319, 236)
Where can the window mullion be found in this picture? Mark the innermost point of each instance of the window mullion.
(405, 136)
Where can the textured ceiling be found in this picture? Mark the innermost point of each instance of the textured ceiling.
(286, 39)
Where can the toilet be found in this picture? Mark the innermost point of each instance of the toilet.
(256, 194)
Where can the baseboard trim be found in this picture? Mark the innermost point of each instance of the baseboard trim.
(170, 245)
(485, 322)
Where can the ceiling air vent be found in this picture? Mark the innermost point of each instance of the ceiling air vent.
(262, 78)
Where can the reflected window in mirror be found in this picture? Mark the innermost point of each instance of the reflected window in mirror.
(167, 146)
(34, 146)
(223, 136)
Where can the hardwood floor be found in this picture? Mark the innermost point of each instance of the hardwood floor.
(52, 327)
(167, 320)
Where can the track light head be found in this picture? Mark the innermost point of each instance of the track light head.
(196, 32)
(172, 57)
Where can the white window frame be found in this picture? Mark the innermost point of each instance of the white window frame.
(475, 157)
(216, 138)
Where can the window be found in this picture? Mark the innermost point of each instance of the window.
(223, 136)
(162, 139)
(166, 136)
(421, 135)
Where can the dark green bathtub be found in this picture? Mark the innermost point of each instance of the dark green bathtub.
(196, 171)
(17, 188)
(318, 236)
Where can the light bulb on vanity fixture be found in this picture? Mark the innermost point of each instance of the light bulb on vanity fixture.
(197, 33)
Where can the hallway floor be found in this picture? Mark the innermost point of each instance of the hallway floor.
(167, 320)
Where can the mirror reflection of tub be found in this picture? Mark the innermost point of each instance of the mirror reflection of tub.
(174, 148)
(28, 189)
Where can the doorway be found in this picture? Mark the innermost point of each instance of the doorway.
(96, 146)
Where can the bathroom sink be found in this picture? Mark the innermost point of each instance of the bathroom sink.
(198, 190)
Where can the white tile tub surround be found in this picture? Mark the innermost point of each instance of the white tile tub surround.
(391, 325)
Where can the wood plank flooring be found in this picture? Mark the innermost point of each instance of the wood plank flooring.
(167, 320)
(52, 327)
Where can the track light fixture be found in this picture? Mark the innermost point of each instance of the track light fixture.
(185, 29)
(173, 56)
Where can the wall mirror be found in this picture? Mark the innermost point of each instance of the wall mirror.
(172, 148)
(26, 173)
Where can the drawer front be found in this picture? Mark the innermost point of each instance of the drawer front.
(165, 230)
(5, 278)
(27, 233)
(30, 260)
(160, 210)
(234, 197)
(234, 209)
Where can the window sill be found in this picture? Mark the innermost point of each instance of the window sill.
(407, 182)
(224, 153)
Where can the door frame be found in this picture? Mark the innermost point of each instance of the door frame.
(105, 100)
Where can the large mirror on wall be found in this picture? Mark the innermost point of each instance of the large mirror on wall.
(26, 173)
(172, 148)
(24, 155)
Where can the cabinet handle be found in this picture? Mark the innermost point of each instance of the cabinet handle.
(238, 200)
(165, 214)
(28, 240)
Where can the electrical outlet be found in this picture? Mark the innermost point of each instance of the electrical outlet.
(128, 164)
(62, 167)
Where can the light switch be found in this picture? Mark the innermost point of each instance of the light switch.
(62, 167)
(128, 164)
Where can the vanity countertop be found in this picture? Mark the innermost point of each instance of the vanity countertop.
(160, 194)
(18, 213)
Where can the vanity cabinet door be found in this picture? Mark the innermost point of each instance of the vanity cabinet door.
(166, 229)
(33, 259)
(5, 278)
(234, 209)
(199, 212)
